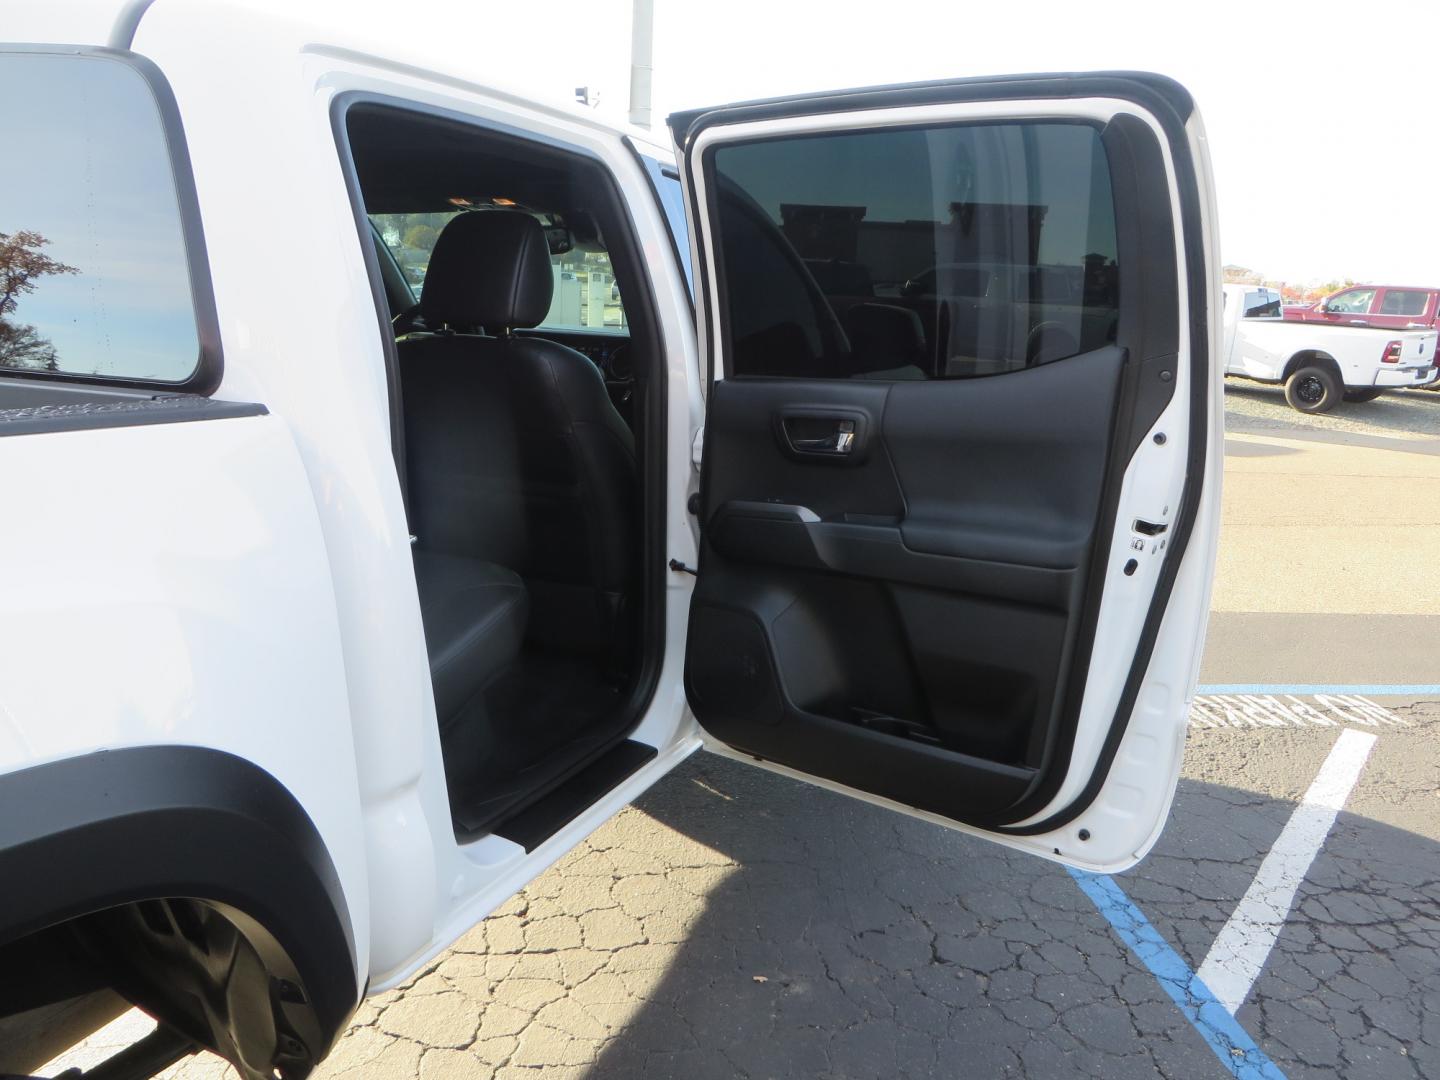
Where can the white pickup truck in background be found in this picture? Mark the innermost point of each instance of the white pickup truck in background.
(1319, 365)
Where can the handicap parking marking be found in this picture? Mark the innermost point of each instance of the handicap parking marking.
(1225, 707)
(1371, 689)
(1210, 996)
(1230, 1042)
(1239, 953)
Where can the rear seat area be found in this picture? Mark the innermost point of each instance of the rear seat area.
(475, 614)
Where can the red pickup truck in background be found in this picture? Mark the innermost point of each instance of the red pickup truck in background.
(1386, 306)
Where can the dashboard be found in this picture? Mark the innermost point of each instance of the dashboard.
(610, 353)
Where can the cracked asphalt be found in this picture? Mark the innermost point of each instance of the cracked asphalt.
(734, 923)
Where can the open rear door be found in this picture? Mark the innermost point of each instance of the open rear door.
(963, 445)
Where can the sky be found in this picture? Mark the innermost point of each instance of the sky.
(1324, 131)
(1322, 117)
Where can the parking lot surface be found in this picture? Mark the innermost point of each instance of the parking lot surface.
(1252, 406)
(733, 923)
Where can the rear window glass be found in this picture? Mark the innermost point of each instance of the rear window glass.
(940, 252)
(96, 280)
(1263, 305)
(1410, 302)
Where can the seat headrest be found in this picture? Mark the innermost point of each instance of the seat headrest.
(489, 268)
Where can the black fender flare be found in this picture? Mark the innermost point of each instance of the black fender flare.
(88, 833)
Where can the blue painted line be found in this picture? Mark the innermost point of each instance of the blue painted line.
(1368, 690)
(1230, 1042)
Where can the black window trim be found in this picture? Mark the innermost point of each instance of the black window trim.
(209, 364)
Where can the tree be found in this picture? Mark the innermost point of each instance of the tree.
(23, 347)
(21, 263)
(420, 236)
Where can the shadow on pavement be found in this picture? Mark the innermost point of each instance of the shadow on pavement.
(850, 942)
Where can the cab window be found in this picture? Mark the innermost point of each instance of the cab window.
(1404, 302)
(941, 252)
(586, 296)
(1354, 302)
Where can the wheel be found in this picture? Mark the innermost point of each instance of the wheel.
(1364, 393)
(1313, 389)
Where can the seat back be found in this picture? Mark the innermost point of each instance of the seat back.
(514, 452)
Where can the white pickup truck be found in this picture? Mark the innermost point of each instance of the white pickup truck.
(333, 613)
(1320, 365)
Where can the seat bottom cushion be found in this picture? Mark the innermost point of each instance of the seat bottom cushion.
(474, 614)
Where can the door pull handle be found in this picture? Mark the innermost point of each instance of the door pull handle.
(842, 442)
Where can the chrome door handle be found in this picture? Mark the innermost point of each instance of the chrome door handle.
(842, 442)
(836, 434)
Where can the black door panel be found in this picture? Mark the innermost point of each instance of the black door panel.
(1006, 468)
(904, 621)
(912, 611)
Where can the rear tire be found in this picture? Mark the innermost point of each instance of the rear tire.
(1365, 393)
(1313, 389)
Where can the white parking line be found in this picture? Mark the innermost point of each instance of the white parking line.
(1238, 954)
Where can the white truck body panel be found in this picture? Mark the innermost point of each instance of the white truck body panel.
(425, 888)
(1263, 347)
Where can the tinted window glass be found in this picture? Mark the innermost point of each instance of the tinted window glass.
(666, 182)
(1404, 302)
(92, 253)
(586, 296)
(918, 253)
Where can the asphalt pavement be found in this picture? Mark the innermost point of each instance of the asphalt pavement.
(733, 923)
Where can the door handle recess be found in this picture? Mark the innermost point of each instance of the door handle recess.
(819, 433)
(842, 442)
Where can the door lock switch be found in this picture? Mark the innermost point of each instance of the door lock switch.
(1149, 528)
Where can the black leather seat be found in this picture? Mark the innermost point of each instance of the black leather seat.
(474, 615)
(514, 453)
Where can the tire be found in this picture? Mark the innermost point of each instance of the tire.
(1364, 393)
(1313, 389)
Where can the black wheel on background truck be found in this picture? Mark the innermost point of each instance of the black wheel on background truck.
(1364, 393)
(1313, 389)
